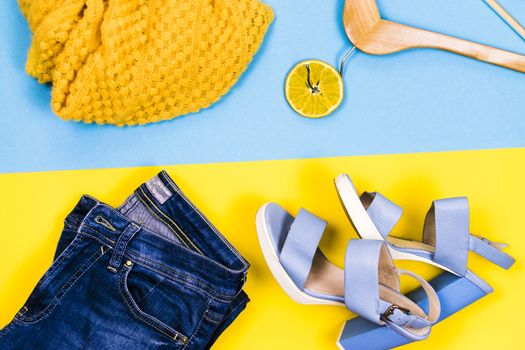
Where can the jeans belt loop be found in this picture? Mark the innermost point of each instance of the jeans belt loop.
(120, 247)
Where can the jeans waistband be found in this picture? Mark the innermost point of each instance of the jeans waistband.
(204, 258)
(168, 203)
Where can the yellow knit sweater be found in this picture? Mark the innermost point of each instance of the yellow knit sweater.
(129, 62)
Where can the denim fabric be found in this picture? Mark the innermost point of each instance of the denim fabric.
(152, 274)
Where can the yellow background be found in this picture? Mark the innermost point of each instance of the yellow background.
(33, 206)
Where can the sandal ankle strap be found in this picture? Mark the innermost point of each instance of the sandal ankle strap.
(491, 251)
(447, 227)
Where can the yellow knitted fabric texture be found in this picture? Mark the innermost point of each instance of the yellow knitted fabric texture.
(129, 62)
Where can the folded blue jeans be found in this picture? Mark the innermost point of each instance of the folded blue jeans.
(151, 274)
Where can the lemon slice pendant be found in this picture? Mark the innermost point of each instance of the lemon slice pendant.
(314, 89)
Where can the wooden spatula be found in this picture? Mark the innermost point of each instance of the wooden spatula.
(373, 35)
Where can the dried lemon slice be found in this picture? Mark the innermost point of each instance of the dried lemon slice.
(314, 89)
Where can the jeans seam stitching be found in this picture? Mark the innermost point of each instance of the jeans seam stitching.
(102, 241)
(156, 235)
(197, 329)
(71, 282)
(164, 215)
(120, 215)
(132, 207)
(211, 319)
(6, 329)
(169, 271)
(203, 217)
(144, 316)
(146, 263)
(232, 311)
(68, 252)
(152, 289)
(83, 223)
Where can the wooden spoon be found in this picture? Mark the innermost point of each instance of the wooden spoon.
(373, 35)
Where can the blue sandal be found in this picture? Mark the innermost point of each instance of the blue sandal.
(368, 286)
(446, 234)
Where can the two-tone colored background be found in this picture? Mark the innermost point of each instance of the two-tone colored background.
(417, 126)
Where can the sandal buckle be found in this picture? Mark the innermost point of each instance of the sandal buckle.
(392, 308)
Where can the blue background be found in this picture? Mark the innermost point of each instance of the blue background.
(419, 100)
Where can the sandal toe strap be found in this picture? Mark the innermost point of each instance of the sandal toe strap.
(300, 246)
(362, 276)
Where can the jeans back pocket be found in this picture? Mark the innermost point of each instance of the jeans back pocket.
(169, 307)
